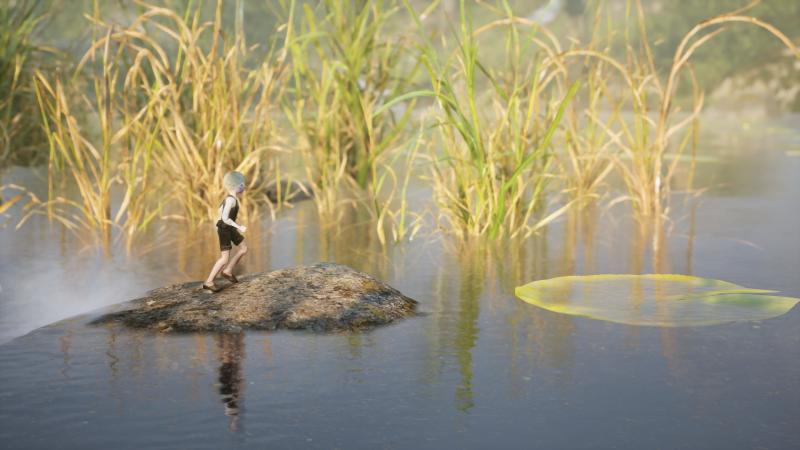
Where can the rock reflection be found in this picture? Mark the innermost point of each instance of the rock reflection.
(231, 354)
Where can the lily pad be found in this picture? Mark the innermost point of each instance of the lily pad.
(654, 300)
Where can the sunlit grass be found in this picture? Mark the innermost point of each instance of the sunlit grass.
(491, 174)
(651, 137)
(345, 67)
(19, 135)
(517, 128)
(171, 124)
(211, 113)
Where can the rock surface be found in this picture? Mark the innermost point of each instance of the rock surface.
(321, 297)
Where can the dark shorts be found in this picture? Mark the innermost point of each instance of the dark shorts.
(227, 235)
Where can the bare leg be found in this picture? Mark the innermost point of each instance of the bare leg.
(236, 257)
(223, 259)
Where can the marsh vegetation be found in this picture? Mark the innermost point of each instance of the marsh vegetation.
(506, 123)
(455, 150)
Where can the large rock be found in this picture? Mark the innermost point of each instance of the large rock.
(321, 297)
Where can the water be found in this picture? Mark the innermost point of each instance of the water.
(480, 368)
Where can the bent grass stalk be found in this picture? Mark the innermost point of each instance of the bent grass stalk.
(643, 141)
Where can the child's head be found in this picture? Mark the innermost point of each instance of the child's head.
(234, 181)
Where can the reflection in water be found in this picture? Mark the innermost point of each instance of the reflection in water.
(649, 239)
(65, 345)
(453, 330)
(111, 353)
(579, 243)
(472, 265)
(350, 239)
(231, 354)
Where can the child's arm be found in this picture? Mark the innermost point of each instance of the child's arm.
(226, 210)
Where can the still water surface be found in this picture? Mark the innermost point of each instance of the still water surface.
(479, 368)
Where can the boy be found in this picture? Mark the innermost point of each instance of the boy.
(229, 232)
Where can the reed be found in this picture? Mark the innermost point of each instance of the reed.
(642, 143)
(19, 136)
(74, 155)
(648, 143)
(587, 160)
(388, 195)
(178, 102)
(491, 175)
(345, 68)
(171, 124)
(212, 114)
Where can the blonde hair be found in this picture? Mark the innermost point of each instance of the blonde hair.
(232, 180)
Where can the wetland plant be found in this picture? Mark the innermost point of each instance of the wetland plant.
(156, 112)
(172, 120)
(19, 135)
(491, 173)
(646, 144)
(345, 67)
(212, 113)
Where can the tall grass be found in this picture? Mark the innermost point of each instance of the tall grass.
(645, 144)
(173, 118)
(212, 114)
(588, 149)
(178, 101)
(491, 175)
(388, 196)
(646, 170)
(93, 164)
(18, 55)
(345, 68)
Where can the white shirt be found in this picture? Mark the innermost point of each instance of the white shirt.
(225, 211)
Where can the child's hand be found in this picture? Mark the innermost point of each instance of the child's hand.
(242, 228)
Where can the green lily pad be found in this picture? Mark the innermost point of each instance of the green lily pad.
(654, 300)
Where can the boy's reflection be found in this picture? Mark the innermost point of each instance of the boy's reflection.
(231, 353)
